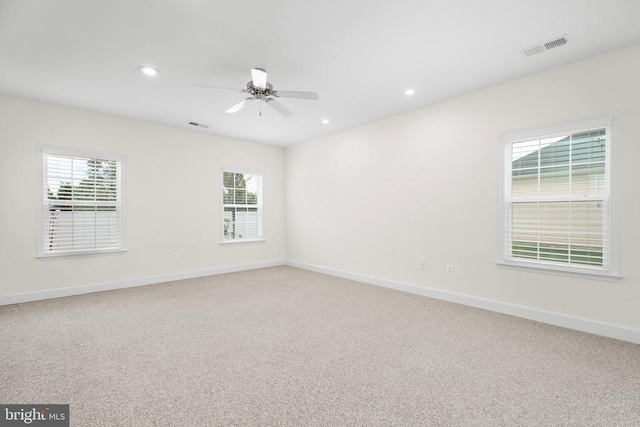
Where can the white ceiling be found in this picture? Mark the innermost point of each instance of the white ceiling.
(358, 55)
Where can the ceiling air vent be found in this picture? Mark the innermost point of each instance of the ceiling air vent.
(200, 125)
(558, 41)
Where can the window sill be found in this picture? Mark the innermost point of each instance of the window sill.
(240, 241)
(79, 254)
(558, 270)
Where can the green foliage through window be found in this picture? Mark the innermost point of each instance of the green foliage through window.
(81, 208)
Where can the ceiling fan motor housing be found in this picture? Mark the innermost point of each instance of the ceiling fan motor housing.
(259, 93)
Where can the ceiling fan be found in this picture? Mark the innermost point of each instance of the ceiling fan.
(261, 90)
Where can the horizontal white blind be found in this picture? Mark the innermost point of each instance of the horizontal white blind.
(242, 206)
(81, 204)
(557, 199)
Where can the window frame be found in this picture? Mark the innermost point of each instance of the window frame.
(43, 150)
(259, 205)
(608, 121)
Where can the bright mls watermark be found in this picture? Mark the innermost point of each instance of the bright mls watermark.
(34, 415)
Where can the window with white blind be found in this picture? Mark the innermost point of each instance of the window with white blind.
(80, 209)
(557, 201)
(241, 206)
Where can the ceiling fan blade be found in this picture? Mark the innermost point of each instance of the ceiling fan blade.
(239, 106)
(278, 107)
(295, 94)
(208, 86)
(259, 77)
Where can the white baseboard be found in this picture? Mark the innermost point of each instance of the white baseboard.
(129, 283)
(557, 319)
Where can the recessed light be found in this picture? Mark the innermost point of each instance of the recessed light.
(325, 121)
(148, 71)
(409, 92)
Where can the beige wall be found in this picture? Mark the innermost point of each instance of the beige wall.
(172, 197)
(378, 199)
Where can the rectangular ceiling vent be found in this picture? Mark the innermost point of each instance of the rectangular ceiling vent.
(542, 47)
(200, 125)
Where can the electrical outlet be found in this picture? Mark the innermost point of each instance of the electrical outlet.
(449, 268)
(423, 265)
(174, 255)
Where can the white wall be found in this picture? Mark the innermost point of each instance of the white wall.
(172, 197)
(423, 186)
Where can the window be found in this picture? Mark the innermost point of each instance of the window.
(557, 199)
(81, 203)
(242, 206)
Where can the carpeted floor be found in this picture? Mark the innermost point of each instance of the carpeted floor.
(288, 347)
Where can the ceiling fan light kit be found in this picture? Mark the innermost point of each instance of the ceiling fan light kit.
(261, 90)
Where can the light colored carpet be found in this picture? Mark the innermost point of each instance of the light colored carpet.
(288, 347)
